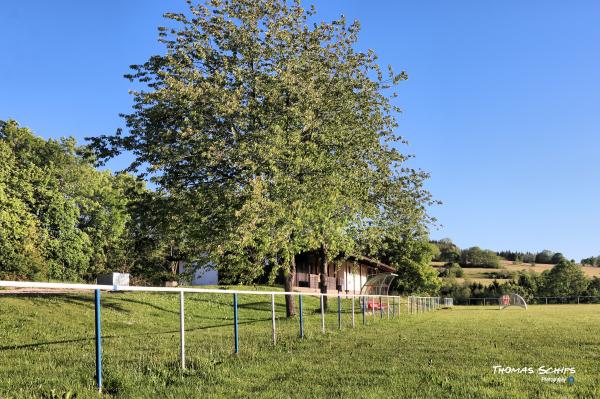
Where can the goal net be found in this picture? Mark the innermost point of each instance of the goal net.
(507, 300)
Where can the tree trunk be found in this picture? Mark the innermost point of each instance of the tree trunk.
(288, 276)
(323, 274)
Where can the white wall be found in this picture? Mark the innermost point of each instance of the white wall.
(353, 279)
(206, 275)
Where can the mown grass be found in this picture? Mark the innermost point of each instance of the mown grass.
(47, 345)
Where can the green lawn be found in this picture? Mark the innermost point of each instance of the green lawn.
(46, 345)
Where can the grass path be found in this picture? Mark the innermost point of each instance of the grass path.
(46, 344)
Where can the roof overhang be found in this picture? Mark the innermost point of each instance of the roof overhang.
(372, 262)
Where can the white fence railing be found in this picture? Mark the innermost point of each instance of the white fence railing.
(386, 305)
(536, 300)
(422, 304)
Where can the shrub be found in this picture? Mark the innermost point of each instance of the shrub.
(477, 257)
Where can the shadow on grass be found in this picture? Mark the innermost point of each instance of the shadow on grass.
(138, 302)
(72, 299)
(75, 340)
(262, 306)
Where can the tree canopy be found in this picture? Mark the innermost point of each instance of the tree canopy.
(60, 218)
(274, 136)
(477, 257)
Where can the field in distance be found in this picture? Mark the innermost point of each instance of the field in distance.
(486, 276)
(46, 345)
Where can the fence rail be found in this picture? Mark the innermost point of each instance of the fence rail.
(537, 300)
(388, 305)
(420, 304)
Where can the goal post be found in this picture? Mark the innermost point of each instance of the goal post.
(512, 299)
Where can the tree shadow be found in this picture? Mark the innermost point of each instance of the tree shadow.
(258, 305)
(145, 334)
(138, 302)
(72, 299)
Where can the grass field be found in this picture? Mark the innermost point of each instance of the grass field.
(46, 346)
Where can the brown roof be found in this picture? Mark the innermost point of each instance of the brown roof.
(373, 262)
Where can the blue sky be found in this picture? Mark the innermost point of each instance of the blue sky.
(501, 105)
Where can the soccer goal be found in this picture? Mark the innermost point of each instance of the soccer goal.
(507, 300)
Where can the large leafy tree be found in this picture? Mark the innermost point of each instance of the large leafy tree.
(411, 256)
(272, 134)
(565, 279)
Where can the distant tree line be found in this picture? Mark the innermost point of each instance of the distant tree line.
(566, 279)
(545, 256)
(591, 261)
(471, 257)
(476, 257)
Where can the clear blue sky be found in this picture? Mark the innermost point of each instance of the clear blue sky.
(501, 105)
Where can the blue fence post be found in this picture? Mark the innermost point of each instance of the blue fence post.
(235, 323)
(182, 329)
(301, 319)
(339, 312)
(380, 309)
(98, 342)
(322, 314)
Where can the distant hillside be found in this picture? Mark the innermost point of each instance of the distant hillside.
(507, 269)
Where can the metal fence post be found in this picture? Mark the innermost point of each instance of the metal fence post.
(322, 314)
(353, 325)
(339, 312)
(364, 305)
(301, 319)
(182, 328)
(373, 308)
(387, 305)
(380, 309)
(98, 342)
(235, 324)
(273, 319)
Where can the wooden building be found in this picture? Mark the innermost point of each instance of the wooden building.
(347, 276)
